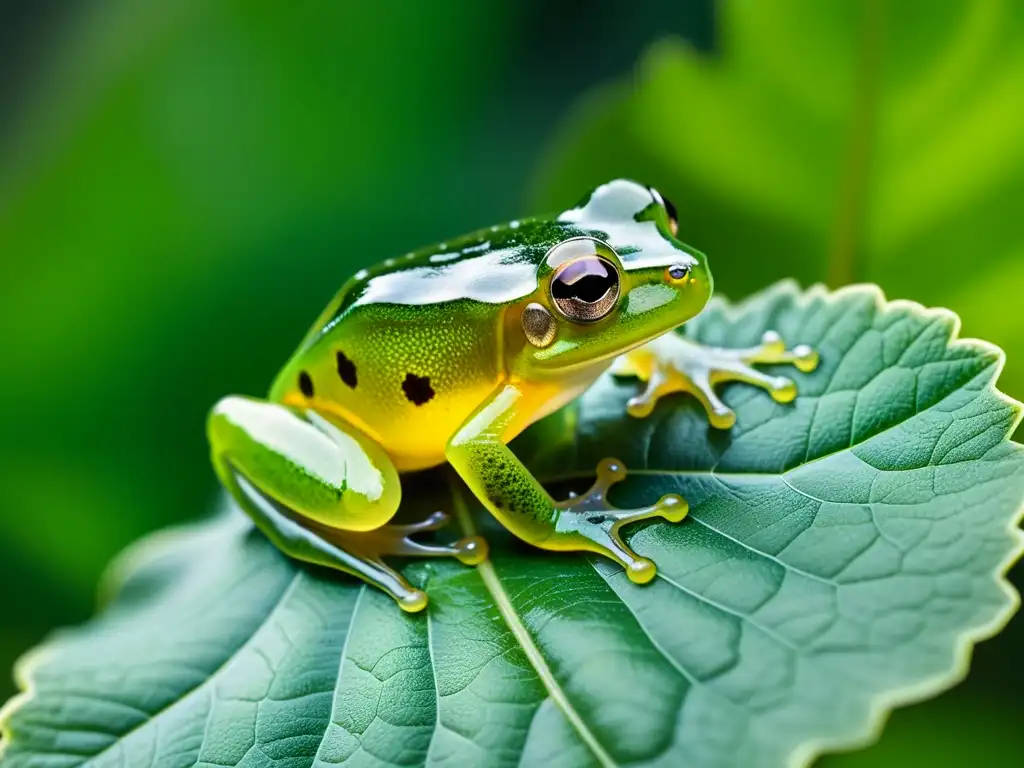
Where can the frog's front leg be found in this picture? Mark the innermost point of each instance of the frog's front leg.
(508, 490)
(322, 492)
(673, 363)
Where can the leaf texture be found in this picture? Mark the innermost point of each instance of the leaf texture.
(842, 555)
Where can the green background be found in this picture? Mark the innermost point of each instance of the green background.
(183, 185)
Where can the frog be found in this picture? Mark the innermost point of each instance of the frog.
(444, 355)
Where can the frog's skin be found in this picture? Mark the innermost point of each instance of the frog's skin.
(448, 353)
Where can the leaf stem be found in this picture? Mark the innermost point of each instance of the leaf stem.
(522, 635)
(853, 190)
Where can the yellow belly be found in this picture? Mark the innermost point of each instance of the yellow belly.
(415, 437)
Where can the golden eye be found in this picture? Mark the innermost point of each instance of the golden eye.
(585, 289)
(678, 272)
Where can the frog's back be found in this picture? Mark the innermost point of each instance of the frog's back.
(409, 350)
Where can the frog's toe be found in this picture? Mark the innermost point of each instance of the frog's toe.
(641, 406)
(720, 415)
(609, 472)
(673, 507)
(381, 575)
(471, 550)
(772, 351)
(641, 570)
(433, 522)
(772, 343)
(412, 601)
(782, 390)
(659, 383)
(590, 517)
(397, 540)
(602, 532)
(805, 358)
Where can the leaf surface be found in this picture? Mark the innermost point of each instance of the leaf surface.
(842, 555)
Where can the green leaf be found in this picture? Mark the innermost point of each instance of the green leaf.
(832, 141)
(842, 555)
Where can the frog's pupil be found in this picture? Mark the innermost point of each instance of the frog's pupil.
(586, 280)
(305, 384)
(589, 288)
(678, 272)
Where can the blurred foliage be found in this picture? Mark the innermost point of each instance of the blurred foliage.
(959, 731)
(866, 142)
(186, 184)
(173, 212)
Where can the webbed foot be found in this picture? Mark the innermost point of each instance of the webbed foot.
(395, 540)
(673, 363)
(590, 523)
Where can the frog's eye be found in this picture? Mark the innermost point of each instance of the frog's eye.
(670, 210)
(585, 289)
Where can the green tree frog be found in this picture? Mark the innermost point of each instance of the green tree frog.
(446, 354)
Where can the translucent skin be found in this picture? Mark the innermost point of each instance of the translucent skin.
(451, 313)
(424, 360)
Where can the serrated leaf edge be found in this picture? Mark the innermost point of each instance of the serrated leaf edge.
(880, 706)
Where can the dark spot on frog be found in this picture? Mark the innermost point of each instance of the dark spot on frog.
(346, 370)
(305, 384)
(597, 519)
(417, 388)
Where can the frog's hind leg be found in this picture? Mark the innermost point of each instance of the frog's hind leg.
(322, 492)
(509, 492)
(309, 545)
(673, 363)
(396, 540)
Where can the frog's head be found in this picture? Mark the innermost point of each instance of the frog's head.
(616, 278)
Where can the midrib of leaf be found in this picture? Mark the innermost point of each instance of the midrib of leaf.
(437, 688)
(849, 219)
(522, 635)
(212, 676)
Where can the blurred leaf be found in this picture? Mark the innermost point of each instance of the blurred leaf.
(842, 555)
(833, 141)
(949, 732)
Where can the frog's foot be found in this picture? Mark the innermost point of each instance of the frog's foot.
(590, 523)
(396, 540)
(673, 363)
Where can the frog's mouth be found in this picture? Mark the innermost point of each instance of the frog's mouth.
(564, 356)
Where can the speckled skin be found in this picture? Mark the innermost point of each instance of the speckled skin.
(451, 346)
(425, 359)
(450, 313)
